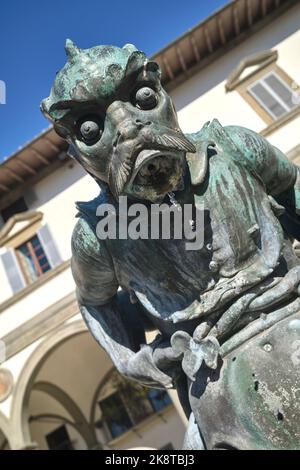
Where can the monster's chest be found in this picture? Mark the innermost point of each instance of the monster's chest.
(233, 230)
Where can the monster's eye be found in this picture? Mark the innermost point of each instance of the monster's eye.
(90, 129)
(146, 98)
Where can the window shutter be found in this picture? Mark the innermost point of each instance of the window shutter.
(13, 271)
(281, 89)
(276, 96)
(49, 246)
(267, 100)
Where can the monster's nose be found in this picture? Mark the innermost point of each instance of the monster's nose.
(141, 124)
(130, 128)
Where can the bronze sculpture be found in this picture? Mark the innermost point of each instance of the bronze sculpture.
(227, 313)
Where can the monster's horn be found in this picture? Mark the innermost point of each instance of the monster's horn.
(130, 48)
(71, 49)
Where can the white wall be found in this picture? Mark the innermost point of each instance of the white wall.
(78, 366)
(199, 99)
(203, 97)
(36, 301)
(40, 404)
(56, 197)
(162, 430)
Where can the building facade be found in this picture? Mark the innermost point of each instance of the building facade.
(58, 389)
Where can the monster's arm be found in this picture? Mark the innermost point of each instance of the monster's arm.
(290, 199)
(115, 324)
(280, 176)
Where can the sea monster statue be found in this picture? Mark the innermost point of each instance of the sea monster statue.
(228, 313)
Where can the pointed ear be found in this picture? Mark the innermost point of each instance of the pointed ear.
(71, 49)
(135, 63)
(152, 66)
(130, 48)
(45, 109)
(198, 162)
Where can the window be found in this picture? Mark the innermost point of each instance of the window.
(267, 88)
(32, 259)
(159, 399)
(59, 439)
(27, 261)
(129, 405)
(274, 95)
(115, 415)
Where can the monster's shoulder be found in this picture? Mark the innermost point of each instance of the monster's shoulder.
(212, 139)
(243, 145)
(236, 139)
(91, 263)
(84, 237)
(231, 138)
(87, 210)
(243, 148)
(85, 242)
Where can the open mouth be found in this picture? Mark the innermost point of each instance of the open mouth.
(156, 173)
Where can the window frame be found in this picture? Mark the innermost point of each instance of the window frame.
(118, 390)
(68, 441)
(265, 63)
(262, 82)
(105, 419)
(243, 90)
(31, 250)
(17, 231)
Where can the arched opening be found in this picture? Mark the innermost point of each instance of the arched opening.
(51, 401)
(57, 400)
(67, 394)
(121, 406)
(4, 444)
(4, 433)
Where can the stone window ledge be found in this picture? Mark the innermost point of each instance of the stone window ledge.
(288, 117)
(35, 285)
(139, 427)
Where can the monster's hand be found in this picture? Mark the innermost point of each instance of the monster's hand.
(121, 334)
(195, 351)
(116, 324)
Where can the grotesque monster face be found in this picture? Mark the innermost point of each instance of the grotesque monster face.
(109, 104)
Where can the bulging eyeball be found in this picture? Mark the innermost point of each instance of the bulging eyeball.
(90, 130)
(146, 98)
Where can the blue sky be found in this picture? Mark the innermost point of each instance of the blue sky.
(32, 36)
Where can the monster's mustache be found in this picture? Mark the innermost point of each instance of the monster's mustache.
(164, 138)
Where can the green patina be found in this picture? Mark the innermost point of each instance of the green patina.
(108, 103)
(89, 75)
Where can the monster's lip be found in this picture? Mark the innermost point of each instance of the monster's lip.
(146, 158)
(156, 172)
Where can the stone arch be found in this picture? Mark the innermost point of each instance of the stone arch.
(72, 408)
(20, 431)
(96, 394)
(5, 427)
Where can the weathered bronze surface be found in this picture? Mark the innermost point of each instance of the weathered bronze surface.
(228, 313)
